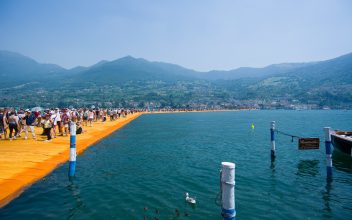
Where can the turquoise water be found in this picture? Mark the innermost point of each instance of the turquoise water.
(155, 159)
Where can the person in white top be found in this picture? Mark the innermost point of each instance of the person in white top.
(56, 119)
(90, 117)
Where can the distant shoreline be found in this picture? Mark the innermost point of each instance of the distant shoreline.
(197, 111)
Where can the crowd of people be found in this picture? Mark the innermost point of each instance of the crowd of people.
(54, 122)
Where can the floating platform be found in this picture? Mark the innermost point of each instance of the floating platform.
(23, 162)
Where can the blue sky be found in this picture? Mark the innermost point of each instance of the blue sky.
(198, 34)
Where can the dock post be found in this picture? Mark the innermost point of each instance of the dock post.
(228, 191)
(72, 162)
(272, 138)
(328, 152)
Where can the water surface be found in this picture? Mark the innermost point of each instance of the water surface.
(154, 160)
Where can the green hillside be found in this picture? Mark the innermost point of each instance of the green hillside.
(137, 82)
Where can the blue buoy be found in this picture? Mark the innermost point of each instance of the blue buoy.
(72, 161)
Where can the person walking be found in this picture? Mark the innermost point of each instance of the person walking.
(29, 124)
(85, 117)
(66, 118)
(13, 124)
(2, 126)
(56, 118)
(90, 117)
(5, 121)
(47, 127)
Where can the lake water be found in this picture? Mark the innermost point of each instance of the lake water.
(155, 159)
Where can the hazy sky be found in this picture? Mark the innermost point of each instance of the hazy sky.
(198, 34)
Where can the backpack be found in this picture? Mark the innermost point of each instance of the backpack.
(31, 119)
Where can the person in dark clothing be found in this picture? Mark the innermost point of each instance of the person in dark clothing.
(47, 127)
(2, 125)
(29, 123)
(13, 124)
(79, 129)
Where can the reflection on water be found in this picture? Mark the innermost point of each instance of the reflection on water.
(78, 202)
(326, 198)
(341, 161)
(272, 164)
(308, 168)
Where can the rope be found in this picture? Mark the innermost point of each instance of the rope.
(286, 134)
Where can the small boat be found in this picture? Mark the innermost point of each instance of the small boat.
(342, 140)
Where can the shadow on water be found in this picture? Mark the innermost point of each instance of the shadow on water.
(308, 168)
(177, 213)
(342, 162)
(272, 164)
(326, 198)
(78, 202)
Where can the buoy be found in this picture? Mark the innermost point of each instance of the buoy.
(252, 126)
(328, 151)
(228, 190)
(190, 199)
(72, 160)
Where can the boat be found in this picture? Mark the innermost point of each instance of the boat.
(342, 140)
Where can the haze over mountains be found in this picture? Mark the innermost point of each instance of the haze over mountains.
(136, 81)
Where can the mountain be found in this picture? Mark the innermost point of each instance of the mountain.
(249, 72)
(337, 70)
(132, 69)
(130, 80)
(17, 69)
(326, 82)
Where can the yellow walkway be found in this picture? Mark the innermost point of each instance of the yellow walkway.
(22, 162)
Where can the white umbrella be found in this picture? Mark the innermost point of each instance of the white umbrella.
(37, 109)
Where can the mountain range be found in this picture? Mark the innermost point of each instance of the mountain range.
(130, 80)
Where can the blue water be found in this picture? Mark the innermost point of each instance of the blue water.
(155, 159)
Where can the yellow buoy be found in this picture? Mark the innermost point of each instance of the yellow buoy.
(252, 126)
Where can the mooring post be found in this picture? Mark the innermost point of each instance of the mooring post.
(328, 152)
(228, 191)
(72, 163)
(272, 138)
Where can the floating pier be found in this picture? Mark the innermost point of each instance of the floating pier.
(23, 162)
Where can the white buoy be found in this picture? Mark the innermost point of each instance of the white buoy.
(190, 199)
(228, 190)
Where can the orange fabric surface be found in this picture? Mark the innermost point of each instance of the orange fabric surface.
(23, 162)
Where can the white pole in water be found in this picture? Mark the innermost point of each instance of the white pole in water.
(272, 138)
(72, 163)
(228, 190)
(328, 152)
